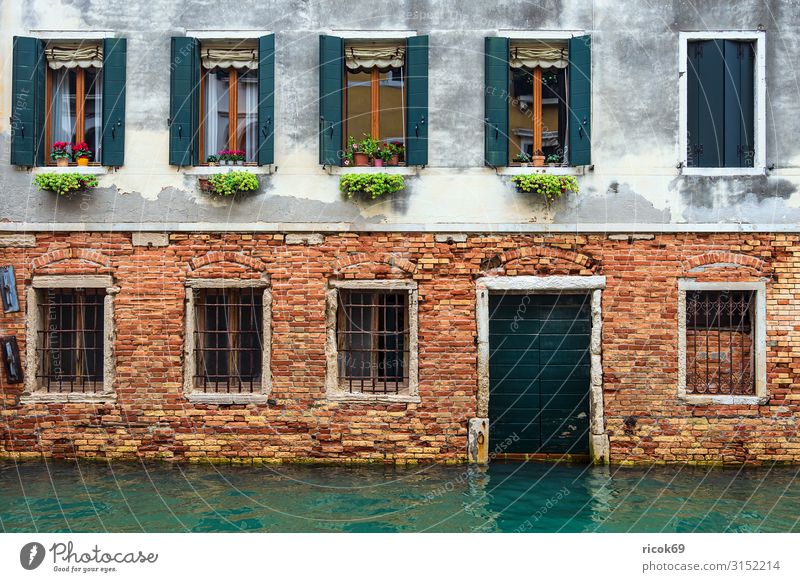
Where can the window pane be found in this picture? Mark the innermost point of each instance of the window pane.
(523, 119)
(358, 104)
(520, 117)
(554, 111)
(719, 342)
(215, 122)
(247, 122)
(93, 112)
(392, 106)
(250, 342)
(62, 112)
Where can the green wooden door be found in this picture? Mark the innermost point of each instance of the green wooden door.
(539, 373)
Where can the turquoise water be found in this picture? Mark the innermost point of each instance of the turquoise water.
(132, 497)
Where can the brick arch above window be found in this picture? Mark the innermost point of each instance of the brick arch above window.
(88, 255)
(717, 259)
(354, 261)
(503, 260)
(214, 257)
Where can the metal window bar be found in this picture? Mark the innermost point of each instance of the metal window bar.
(720, 351)
(69, 345)
(228, 342)
(372, 341)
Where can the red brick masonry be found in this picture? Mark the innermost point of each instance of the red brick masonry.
(152, 418)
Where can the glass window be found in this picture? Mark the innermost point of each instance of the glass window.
(226, 90)
(75, 111)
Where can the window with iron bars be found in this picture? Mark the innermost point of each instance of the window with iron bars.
(372, 341)
(719, 343)
(228, 343)
(70, 340)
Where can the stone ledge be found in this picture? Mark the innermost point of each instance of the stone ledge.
(372, 398)
(205, 398)
(720, 399)
(150, 239)
(304, 239)
(17, 240)
(50, 397)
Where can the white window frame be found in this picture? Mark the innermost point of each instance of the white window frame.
(333, 390)
(33, 391)
(759, 342)
(189, 363)
(760, 100)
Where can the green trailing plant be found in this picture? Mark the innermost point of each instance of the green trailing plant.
(63, 184)
(373, 185)
(548, 186)
(232, 183)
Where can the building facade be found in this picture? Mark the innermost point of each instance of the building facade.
(632, 299)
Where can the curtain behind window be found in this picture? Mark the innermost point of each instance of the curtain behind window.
(63, 107)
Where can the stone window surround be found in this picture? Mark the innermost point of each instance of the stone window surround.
(759, 341)
(33, 392)
(759, 115)
(260, 397)
(332, 389)
(598, 439)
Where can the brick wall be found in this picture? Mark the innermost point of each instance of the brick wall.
(151, 418)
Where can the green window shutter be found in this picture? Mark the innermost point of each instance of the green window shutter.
(739, 104)
(184, 114)
(579, 116)
(706, 102)
(417, 101)
(331, 107)
(266, 100)
(114, 56)
(693, 141)
(495, 91)
(27, 102)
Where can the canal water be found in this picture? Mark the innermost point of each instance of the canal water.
(133, 497)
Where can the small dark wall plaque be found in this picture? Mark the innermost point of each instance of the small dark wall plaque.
(11, 360)
(8, 289)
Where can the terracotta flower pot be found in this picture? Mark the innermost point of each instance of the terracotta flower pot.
(394, 160)
(538, 161)
(377, 162)
(360, 159)
(62, 162)
(83, 161)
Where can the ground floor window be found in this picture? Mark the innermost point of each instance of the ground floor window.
(228, 340)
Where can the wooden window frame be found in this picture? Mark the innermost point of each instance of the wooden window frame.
(233, 106)
(374, 104)
(80, 113)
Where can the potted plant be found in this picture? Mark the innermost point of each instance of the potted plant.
(61, 154)
(369, 146)
(64, 184)
(82, 153)
(522, 159)
(372, 185)
(238, 157)
(358, 157)
(553, 160)
(397, 150)
(548, 186)
(538, 159)
(223, 157)
(212, 160)
(230, 183)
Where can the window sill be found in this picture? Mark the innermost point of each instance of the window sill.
(211, 170)
(88, 170)
(696, 399)
(553, 170)
(400, 170)
(52, 397)
(377, 398)
(206, 398)
(686, 171)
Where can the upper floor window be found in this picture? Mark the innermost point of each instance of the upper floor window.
(373, 90)
(71, 92)
(74, 110)
(229, 100)
(538, 101)
(723, 89)
(222, 100)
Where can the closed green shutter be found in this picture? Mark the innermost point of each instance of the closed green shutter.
(184, 101)
(495, 92)
(27, 102)
(710, 103)
(114, 56)
(266, 100)
(331, 85)
(739, 104)
(417, 101)
(579, 118)
(693, 141)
